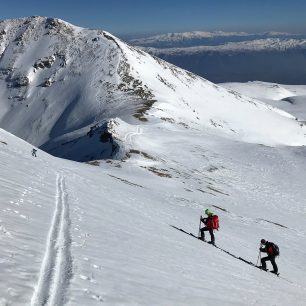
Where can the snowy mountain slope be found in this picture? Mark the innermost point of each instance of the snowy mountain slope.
(290, 98)
(70, 79)
(261, 90)
(105, 231)
(62, 87)
(201, 104)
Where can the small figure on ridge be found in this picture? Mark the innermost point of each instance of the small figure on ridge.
(34, 152)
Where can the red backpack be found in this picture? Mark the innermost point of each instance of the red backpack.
(213, 222)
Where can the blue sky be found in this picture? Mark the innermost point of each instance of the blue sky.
(158, 16)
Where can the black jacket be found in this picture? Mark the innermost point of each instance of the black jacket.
(268, 248)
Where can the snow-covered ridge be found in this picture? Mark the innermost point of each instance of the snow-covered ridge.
(185, 36)
(56, 79)
(269, 44)
(174, 37)
(69, 90)
(290, 98)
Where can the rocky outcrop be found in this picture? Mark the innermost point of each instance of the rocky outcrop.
(45, 62)
(21, 81)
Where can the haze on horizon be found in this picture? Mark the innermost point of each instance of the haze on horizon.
(139, 17)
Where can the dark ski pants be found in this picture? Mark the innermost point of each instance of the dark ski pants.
(272, 259)
(211, 232)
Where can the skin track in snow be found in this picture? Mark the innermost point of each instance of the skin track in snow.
(56, 269)
(229, 253)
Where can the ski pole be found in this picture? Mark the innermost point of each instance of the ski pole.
(199, 233)
(259, 256)
(257, 259)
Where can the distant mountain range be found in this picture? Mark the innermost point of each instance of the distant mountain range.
(199, 38)
(230, 56)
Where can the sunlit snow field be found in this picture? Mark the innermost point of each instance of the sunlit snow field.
(118, 247)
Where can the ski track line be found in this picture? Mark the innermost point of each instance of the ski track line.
(129, 136)
(56, 270)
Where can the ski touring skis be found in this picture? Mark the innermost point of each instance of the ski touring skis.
(229, 253)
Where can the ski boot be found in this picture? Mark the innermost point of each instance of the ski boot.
(263, 268)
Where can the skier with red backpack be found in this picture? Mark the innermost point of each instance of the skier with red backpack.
(272, 250)
(211, 224)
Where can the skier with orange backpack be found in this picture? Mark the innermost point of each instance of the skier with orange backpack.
(211, 224)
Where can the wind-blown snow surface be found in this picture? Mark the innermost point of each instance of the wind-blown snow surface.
(76, 234)
(290, 98)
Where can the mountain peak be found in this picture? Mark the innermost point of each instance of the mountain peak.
(59, 83)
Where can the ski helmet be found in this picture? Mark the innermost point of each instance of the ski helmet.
(263, 241)
(207, 212)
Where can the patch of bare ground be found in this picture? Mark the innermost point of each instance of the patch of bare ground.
(93, 163)
(141, 153)
(264, 220)
(220, 208)
(125, 181)
(159, 172)
(216, 190)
